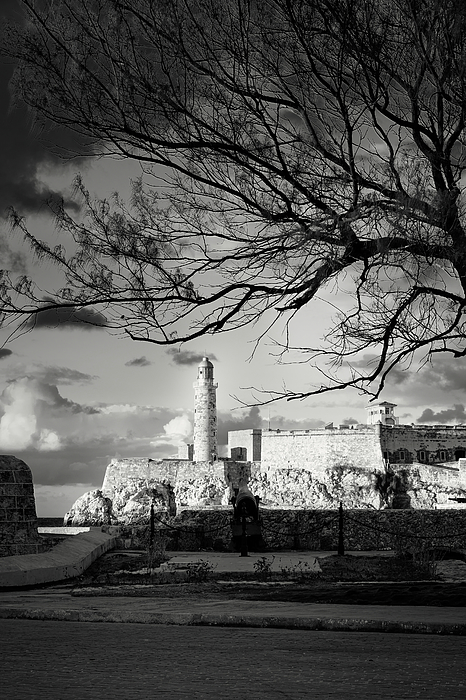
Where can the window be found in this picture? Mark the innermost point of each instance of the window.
(402, 455)
(387, 410)
(422, 455)
(443, 456)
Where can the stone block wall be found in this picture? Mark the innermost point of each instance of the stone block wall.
(318, 450)
(131, 485)
(427, 444)
(315, 530)
(251, 440)
(18, 518)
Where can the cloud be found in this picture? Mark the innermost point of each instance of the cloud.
(18, 424)
(48, 374)
(188, 357)
(440, 382)
(350, 421)
(180, 425)
(26, 405)
(179, 429)
(48, 441)
(60, 375)
(369, 362)
(445, 373)
(29, 151)
(12, 261)
(71, 318)
(5, 352)
(138, 362)
(65, 442)
(240, 421)
(284, 423)
(455, 414)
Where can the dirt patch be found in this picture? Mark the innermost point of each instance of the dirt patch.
(427, 593)
(350, 579)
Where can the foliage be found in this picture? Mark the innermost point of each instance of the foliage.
(301, 572)
(263, 568)
(199, 571)
(390, 485)
(290, 149)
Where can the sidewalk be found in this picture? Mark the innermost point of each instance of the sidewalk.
(62, 603)
(66, 560)
(59, 604)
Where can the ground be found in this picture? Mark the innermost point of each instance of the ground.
(344, 579)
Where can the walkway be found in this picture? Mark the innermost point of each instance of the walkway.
(66, 560)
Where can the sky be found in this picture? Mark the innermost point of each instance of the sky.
(73, 397)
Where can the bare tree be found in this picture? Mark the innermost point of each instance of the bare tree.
(287, 145)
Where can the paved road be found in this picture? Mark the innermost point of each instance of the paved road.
(77, 661)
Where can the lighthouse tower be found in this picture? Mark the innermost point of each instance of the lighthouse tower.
(205, 413)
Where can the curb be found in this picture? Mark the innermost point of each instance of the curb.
(212, 620)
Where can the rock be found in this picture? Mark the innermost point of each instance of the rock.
(91, 509)
(130, 505)
(202, 491)
(126, 498)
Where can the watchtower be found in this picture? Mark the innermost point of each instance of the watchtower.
(382, 412)
(205, 413)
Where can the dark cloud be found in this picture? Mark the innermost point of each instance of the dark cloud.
(50, 395)
(349, 421)
(138, 362)
(13, 261)
(26, 147)
(365, 362)
(85, 461)
(4, 352)
(43, 394)
(254, 419)
(445, 373)
(455, 414)
(243, 421)
(188, 357)
(61, 375)
(369, 362)
(85, 319)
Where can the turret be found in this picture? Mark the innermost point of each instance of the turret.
(382, 412)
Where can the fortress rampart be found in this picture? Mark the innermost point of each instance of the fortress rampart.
(319, 450)
(292, 469)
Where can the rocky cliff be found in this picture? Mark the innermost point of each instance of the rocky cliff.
(129, 489)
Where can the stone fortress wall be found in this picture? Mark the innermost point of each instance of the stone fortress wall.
(296, 469)
(18, 518)
(318, 450)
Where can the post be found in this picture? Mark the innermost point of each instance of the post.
(341, 544)
(244, 539)
(152, 525)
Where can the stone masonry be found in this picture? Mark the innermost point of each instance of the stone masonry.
(205, 413)
(18, 518)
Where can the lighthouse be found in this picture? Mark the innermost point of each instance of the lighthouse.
(205, 413)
